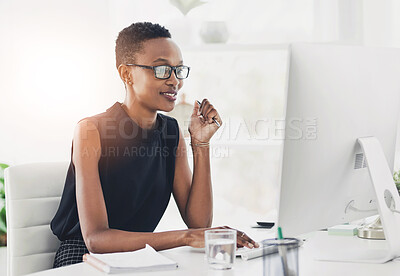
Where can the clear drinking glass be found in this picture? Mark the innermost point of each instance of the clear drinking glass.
(281, 257)
(220, 248)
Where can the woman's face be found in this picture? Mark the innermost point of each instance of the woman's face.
(147, 89)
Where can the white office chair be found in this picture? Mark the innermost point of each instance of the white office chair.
(33, 193)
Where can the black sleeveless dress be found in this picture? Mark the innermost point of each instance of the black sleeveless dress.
(136, 170)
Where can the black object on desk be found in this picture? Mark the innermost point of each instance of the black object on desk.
(264, 224)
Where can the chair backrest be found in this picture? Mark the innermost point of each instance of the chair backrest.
(33, 193)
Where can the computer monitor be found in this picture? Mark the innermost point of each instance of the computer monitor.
(336, 95)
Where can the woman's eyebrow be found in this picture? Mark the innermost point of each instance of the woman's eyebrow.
(164, 60)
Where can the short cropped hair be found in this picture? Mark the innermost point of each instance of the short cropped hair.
(130, 40)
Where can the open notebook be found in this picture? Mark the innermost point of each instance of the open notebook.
(146, 259)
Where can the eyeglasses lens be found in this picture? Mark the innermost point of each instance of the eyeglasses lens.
(163, 72)
(182, 72)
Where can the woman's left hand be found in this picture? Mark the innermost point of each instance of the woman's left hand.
(202, 126)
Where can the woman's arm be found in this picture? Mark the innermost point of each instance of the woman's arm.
(193, 194)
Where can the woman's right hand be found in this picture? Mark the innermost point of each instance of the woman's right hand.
(195, 238)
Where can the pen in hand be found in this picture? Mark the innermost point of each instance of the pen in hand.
(215, 121)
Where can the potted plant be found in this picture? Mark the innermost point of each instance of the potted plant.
(3, 222)
(396, 178)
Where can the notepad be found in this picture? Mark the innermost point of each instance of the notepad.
(146, 259)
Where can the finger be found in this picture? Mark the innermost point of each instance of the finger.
(242, 241)
(203, 106)
(212, 113)
(196, 108)
(218, 119)
(246, 239)
(207, 109)
(242, 238)
(250, 240)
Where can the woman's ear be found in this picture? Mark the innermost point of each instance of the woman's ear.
(125, 74)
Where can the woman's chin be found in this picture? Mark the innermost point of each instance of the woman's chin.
(168, 108)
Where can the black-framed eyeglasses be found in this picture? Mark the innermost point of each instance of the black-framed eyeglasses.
(164, 72)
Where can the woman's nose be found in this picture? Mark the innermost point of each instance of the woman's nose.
(173, 80)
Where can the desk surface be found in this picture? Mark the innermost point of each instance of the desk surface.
(192, 261)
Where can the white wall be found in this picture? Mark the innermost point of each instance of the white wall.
(57, 66)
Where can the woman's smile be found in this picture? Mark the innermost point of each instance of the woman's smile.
(169, 95)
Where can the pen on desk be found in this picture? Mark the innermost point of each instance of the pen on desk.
(215, 121)
(282, 253)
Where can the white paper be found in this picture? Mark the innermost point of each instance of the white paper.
(139, 259)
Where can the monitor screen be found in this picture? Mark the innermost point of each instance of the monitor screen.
(336, 94)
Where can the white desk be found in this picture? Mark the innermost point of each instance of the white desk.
(192, 262)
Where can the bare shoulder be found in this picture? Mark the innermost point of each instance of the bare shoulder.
(85, 128)
(86, 141)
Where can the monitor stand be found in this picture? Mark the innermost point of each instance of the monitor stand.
(387, 200)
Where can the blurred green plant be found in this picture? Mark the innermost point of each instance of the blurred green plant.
(3, 221)
(396, 178)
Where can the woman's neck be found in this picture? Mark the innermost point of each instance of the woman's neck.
(144, 118)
